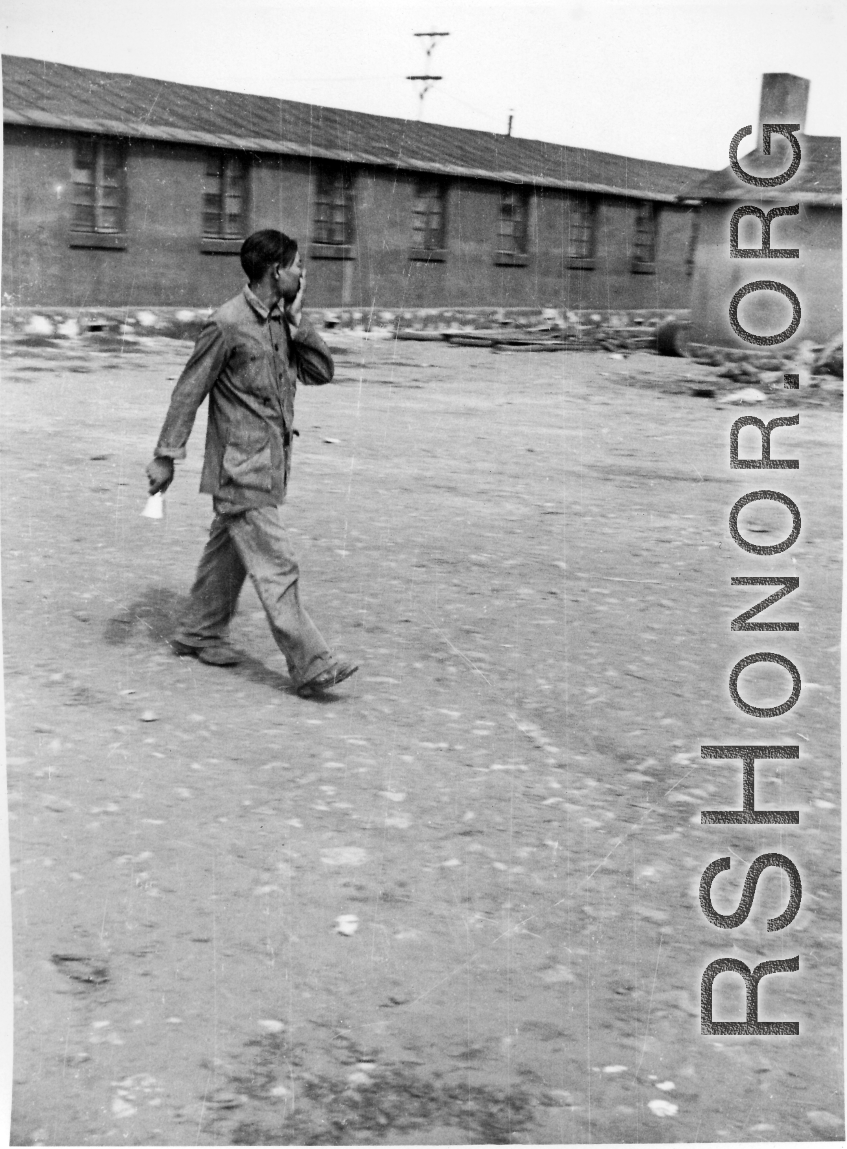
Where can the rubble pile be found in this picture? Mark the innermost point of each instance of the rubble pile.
(547, 327)
(817, 366)
(557, 331)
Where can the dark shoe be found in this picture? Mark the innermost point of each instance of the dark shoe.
(327, 679)
(215, 654)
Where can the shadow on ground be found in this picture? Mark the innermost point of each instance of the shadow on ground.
(154, 618)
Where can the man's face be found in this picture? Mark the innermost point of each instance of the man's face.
(289, 279)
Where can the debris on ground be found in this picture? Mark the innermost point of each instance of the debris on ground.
(660, 1108)
(81, 969)
(748, 395)
(829, 359)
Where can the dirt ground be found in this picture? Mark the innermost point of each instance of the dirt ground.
(456, 901)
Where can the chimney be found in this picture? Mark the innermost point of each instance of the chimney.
(784, 99)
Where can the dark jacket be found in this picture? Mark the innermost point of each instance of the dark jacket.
(247, 360)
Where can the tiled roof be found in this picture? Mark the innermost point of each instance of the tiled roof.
(818, 179)
(38, 92)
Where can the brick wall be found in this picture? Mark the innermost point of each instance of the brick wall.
(163, 265)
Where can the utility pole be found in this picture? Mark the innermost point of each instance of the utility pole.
(427, 81)
(511, 117)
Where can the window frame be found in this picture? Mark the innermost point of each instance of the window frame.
(334, 194)
(513, 227)
(643, 260)
(583, 211)
(233, 177)
(106, 192)
(429, 241)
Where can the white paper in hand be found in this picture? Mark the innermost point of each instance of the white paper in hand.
(154, 507)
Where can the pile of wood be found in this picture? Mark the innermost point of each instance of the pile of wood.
(545, 338)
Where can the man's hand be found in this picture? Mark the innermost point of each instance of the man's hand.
(160, 474)
(295, 308)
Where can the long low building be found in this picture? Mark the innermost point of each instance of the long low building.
(124, 190)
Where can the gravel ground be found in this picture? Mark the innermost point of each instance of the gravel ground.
(456, 901)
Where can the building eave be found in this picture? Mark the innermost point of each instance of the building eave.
(769, 195)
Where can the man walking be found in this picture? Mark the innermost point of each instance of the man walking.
(247, 361)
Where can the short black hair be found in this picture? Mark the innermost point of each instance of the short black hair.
(263, 249)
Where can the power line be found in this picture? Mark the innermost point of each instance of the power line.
(427, 81)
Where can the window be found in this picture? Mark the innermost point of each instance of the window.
(225, 197)
(692, 242)
(332, 234)
(99, 188)
(644, 241)
(429, 218)
(582, 217)
(512, 227)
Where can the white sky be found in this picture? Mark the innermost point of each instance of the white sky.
(668, 81)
